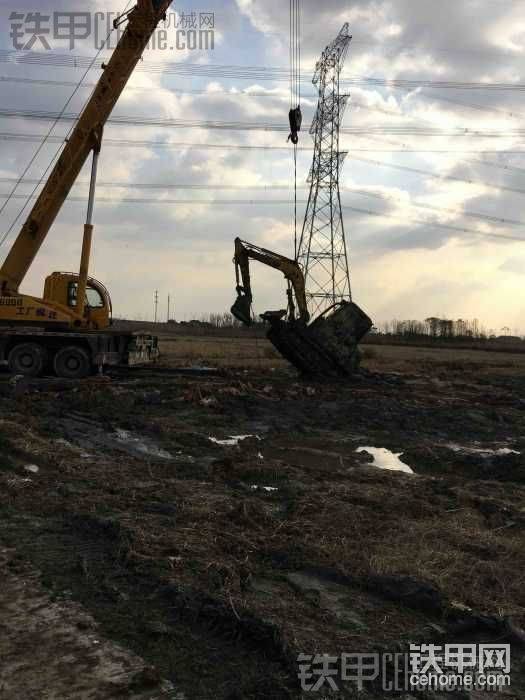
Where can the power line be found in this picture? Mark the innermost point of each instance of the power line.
(391, 85)
(399, 48)
(433, 224)
(6, 136)
(30, 138)
(203, 146)
(246, 72)
(503, 166)
(424, 205)
(453, 178)
(462, 103)
(212, 94)
(283, 187)
(48, 134)
(252, 202)
(250, 94)
(206, 93)
(56, 119)
(366, 130)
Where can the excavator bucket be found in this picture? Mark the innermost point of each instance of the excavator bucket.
(328, 346)
(241, 309)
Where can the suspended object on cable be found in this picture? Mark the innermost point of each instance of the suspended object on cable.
(294, 115)
(295, 118)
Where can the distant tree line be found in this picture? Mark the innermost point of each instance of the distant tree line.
(432, 327)
(435, 327)
(220, 320)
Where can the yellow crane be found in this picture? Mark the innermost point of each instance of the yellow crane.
(68, 328)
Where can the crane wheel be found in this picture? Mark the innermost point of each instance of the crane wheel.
(28, 359)
(72, 362)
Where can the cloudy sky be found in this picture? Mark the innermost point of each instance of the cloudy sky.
(441, 223)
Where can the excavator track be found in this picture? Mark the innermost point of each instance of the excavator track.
(328, 347)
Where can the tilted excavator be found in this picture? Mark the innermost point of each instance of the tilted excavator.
(325, 347)
(68, 328)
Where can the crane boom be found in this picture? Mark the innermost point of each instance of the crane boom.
(85, 137)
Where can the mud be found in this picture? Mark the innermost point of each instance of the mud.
(206, 566)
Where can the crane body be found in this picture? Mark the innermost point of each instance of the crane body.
(327, 346)
(69, 326)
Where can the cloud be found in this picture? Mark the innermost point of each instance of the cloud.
(515, 265)
(401, 266)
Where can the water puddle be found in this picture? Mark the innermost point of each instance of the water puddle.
(32, 468)
(91, 440)
(18, 481)
(140, 445)
(333, 597)
(484, 452)
(181, 457)
(64, 443)
(232, 440)
(386, 459)
(256, 487)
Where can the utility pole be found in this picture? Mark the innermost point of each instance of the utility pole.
(156, 304)
(322, 251)
(168, 314)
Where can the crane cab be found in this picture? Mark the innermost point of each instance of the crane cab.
(61, 288)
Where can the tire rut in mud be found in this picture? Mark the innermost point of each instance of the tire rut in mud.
(194, 640)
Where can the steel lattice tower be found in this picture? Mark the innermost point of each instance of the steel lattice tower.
(322, 248)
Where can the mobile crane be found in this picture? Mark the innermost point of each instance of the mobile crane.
(68, 328)
(324, 347)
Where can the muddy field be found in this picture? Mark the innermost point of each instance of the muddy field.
(169, 535)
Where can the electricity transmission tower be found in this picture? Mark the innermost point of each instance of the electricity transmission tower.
(322, 248)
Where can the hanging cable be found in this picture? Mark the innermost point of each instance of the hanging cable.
(298, 52)
(290, 56)
(295, 201)
(298, 119)
(294, 115)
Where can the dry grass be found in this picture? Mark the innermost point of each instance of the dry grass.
(220, 352)
(197, 525)
(410, 359)
(256, 353)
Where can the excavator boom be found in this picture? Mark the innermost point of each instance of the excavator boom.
(142, 21)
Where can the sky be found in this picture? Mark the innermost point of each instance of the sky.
(440, 223)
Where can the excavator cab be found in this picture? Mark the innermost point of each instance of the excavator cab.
(61, 288)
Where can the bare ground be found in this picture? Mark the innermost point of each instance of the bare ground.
(211, 566)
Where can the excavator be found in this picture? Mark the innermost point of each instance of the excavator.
(68, 329)
(325, 347)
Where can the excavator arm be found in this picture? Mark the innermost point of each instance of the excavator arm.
(241, 309)
(86, 136)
